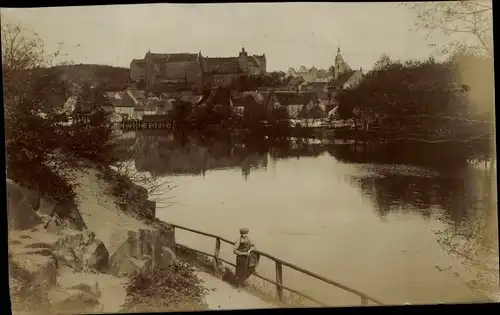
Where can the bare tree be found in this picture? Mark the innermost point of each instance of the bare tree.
(23, 49)
(158, 187)
(474, 19)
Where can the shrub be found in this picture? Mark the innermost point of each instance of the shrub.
(172, 288)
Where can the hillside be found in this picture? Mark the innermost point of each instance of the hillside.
(112, 78)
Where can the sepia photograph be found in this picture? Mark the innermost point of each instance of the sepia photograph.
(182, 157)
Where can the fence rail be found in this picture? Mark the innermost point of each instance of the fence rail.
(280, 287)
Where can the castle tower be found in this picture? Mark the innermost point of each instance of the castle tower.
(243, 60)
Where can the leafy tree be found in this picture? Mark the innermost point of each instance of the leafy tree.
(181, 112)
(383, 62)
(421, 100)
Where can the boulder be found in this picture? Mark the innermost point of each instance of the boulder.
(36, 270)
(96, 256)
(130, 266)
(132, 248)
(66, 256)
(20, 214)
(47, 205)
(68, 211)
(54, 225)
(73, 300)
(32, 196)
(167, 256)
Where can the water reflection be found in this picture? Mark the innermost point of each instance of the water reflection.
(391, 188)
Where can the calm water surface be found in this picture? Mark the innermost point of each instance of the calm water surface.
(366, 225)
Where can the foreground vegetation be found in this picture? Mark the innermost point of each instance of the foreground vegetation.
(172, 289)
(46, 140)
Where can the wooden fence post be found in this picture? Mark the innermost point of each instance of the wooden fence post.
(364, 301)
(279, 280)
(216, 255)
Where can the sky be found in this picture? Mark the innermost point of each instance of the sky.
(290, 34)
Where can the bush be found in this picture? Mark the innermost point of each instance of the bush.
(173, 288)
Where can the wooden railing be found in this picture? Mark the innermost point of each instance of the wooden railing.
(280, 287)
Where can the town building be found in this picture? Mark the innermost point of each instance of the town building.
(340, 75)
(294, 102)
(195, 69)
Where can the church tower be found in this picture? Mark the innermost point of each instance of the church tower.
(339, 66)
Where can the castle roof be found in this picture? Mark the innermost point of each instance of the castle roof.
(224, 65)
(257, 60)
(175, 57)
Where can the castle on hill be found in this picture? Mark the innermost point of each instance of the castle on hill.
(194, 69)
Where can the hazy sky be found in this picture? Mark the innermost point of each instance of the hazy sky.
(290, 34)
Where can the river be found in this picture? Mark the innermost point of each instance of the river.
(364, 224)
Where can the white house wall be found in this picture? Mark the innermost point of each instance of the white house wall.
(125, 110)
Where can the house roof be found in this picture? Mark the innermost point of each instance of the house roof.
(138, 94)
(302, 69)
(317, 85)
(193, 99)
(151, 105)
(216, 96)
(322, 73)
(139, 62)
(290, 98)
(247, 101)
(247, 95)
(343, 77)
(222, 65)
(293, 83)
(120, 99)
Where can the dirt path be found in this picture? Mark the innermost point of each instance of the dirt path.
(222, 296)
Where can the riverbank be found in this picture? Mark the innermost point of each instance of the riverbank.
(88, 260)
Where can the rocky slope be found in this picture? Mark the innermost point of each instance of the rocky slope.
(81, 263)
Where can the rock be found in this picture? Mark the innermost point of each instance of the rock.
(32, 196)
(66, 256)
(47, 205)
(153, 246)
(72, 301)
(68, 211)
(167, 256)
(54, 225)
(36, 270)
(96, 256)
(130, 266)
(20, 214)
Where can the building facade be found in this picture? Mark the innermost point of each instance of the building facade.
(195, 69)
